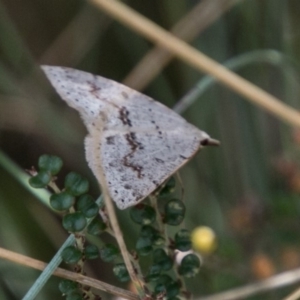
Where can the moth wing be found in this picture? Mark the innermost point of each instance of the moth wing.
(138, 142)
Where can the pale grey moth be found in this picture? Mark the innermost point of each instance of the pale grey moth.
(138, 142)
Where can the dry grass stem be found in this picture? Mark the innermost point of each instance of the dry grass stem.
(277, 281)
(198, 60)
(138, 283)
(39, 265)
(190, 26)
(293, 296)
(119, 237)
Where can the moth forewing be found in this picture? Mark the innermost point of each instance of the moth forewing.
(135, 142)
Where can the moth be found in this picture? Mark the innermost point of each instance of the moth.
(135, 141)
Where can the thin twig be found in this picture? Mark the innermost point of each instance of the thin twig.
(138, 282)
(190, 26)
(269, 56)
(277, 281)
(119, 237)
(198, 60)
(293, 296)
(39, 265)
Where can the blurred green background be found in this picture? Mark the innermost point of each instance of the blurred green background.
(247, 190)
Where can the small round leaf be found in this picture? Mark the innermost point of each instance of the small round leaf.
(142, 214)
(161, 258)
(74, 222)
(174, 212)
(144, 246)
(154, 272)
(168, 188)
(50, 163)
(62, 201)
(109, 252)
(67, 286)
(96, 227)
(190, 266)
(91, 252)
(40, 180)
(75, 184)
(71, 255)
(183, 240)
(121, 272)
(87, 205)
(153, 234)
(167, 285)
(173, 290)
(75, 295)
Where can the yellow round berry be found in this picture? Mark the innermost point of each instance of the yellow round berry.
(203, 239)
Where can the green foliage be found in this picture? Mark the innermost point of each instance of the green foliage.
(79, 207)
(121, 272)
(154, 272)
(144, 246)
(78, 214)
(190, 266)
(183, 240)
(142, 214)
(161, 258)
(67, 286)
(91, 252)
(41, 180)
(74, 222)
(50, 163)
(75, 184)
(109, 252)
(62, 201)
(174, 212)
(86, 204)
(75, 295)
(167, 286)
(96, 227)
(153, 234)
(71, 255)
(169, 188)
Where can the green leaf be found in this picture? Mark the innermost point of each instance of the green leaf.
(71, 255)
(121, 272)
(62, 201)
(75, 184)
(144, 246)
(169, 188)
(75, 295)
(165, 284)
(91, 252)
(161, 258)
(109, 252)
(50, 163)
(142, 214)
(190, 266)
(67, 286)
(41, 180)
(154, 272)
(96, 227)
(183, 240)
(153, 234)
(86, 204)
(74, 222)
(174, 212)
